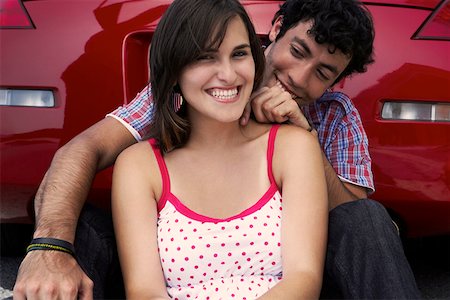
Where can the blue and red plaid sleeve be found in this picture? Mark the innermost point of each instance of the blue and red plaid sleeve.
(342, 137)
(348, 152)
(137, 115)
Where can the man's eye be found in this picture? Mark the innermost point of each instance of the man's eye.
(296, 52)
(322, 76)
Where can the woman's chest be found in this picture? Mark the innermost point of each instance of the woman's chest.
(195, 248)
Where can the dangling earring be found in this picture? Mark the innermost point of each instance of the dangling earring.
(177, 98)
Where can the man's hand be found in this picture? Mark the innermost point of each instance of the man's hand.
(273, 105)
(51, 275)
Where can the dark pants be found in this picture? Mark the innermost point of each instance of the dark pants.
(365, 258)
(96, 250)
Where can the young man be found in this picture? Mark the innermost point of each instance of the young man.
(313, 45)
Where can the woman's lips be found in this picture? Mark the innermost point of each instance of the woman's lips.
(225, 95)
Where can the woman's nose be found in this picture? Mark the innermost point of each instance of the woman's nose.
(226, 72)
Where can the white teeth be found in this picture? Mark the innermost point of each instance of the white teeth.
(224, 94)
(280, 85)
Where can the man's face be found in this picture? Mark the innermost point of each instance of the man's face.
(300, 65)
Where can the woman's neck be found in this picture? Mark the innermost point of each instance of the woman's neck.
(210, 134)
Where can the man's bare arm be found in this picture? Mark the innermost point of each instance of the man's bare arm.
(66, 184)
(61, 195)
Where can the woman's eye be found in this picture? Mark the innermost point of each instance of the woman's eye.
(240, 53)
(205, 57)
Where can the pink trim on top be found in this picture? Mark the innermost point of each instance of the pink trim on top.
(164, 174)
(183, 209)
(270, 150)
(186, 211)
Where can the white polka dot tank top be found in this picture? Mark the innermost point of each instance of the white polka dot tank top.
(234, 258)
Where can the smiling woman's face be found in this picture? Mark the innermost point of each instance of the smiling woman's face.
(218, 85)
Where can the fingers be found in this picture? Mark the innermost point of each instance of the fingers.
(19, 291)
(264, 102)
(86, 289)
(35, 290)
(256, 100)
(51, 275)
(296, 116)
(287, 111)
(275, 105)
(246, 114)
(48, 290)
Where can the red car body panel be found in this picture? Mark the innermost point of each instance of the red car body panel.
(94, 56)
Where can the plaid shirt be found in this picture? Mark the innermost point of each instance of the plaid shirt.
(342, 137)
(338, 124)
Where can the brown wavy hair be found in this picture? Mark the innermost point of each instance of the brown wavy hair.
(186, 29)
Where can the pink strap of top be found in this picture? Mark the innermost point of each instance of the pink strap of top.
(165, 172)
(270, 150)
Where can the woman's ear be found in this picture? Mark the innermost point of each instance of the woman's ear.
(275, 29)
(176, 88)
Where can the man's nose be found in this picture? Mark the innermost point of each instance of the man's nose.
(301, 76)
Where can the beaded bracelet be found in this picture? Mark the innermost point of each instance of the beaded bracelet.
(51, 244)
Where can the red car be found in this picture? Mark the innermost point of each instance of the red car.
(65, 64)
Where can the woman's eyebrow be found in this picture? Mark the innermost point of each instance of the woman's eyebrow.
(242, 46)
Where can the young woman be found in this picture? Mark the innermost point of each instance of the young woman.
(208, 209)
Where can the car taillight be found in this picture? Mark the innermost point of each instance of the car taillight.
(437, 25)
(416, 111)
(22, 97)
(14, 15)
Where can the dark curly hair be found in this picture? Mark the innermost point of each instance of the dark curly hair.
(342, 24)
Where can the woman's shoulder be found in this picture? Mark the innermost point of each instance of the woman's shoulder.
(290, 137)
(256, 130)
(137, 155)
(287, 134)
(141, 148)
(294, 148)
(288, 130)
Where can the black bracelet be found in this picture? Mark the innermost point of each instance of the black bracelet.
(51, 244)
